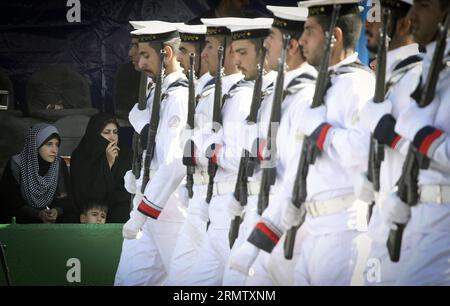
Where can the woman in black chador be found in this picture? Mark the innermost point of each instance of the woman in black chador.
(35, 183)
(98, 166)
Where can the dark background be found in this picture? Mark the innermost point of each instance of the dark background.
(34, 33)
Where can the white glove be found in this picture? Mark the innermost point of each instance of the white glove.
(234, 207)
(311, 118)
(204, 211)
(395, 211)
(243, 257)
(291, 216)
(133, 226)
(364, 188)
(414, 118)
(130, 182)
(372, 112)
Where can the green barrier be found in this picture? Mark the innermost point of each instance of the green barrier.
(61, 254)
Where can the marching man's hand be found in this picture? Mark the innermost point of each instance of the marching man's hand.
(395, 211)
(134, 225)
(243, 257)
(364, 188)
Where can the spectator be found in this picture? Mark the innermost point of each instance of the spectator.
(98, 166)
(94, 212)
(34, 185)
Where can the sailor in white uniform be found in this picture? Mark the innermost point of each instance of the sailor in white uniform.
(194, 228)
(427, 128)
(403, 69)
(271, 268)
(327, 247)
(222, 148)
(160, 227)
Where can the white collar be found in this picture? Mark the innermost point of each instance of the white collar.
(348, 60)
(268, 79)
(171, 78)
(291, 74)
(394, 57)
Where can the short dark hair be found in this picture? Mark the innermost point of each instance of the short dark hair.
(350, 25)
(101, 205)
(173, 43)
(258, 43)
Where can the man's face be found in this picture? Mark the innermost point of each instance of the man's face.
(273, 44)
(183, 56)
(246, 58)
(148, 60)
(312, 41)
(93, 216)
(133, 53)
(425, 16)
(209, 53)
(372, 35)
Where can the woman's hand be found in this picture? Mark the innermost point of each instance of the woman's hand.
(48, 216)
(112, 151)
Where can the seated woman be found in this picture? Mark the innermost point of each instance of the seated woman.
(35, 183)
(98, 166)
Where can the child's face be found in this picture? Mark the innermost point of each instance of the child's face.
(93, 216)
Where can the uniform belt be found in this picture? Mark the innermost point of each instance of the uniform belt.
(201, 177)
(253, 188)
(329, 207)
(223, 188)
(438, 194)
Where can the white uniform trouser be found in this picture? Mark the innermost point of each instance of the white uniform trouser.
(379, 269)
(274, 269)
(233, 277)
(429, 262)
(210, 263)
(146, 261)
(189, 240)
(326, 259)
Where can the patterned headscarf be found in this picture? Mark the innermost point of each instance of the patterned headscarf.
(37, 190)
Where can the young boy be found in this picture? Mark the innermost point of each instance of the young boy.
(94, 213)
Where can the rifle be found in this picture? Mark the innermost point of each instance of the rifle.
(216, 120)
(407, 186)
(308, 151)
(269, 172)
(190, 123)
(376, 150)
(154, 122)
(240, 191)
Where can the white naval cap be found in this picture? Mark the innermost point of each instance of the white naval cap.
(289, 18)
(247, 28)
(192, 33)
(156, 31)
(218, 26)
(325, 7)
